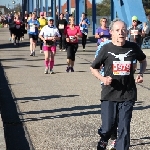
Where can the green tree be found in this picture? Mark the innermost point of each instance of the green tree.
(102, 9)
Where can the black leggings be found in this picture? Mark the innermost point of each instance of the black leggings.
(18, 34)
(71, 50)
(62, 41)
(41, 44)
(84, 37)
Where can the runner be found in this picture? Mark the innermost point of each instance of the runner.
(119, 90)
(102, 33)
(72, 33)
(18, 30)
(49, 34)
(42, 22)
(135, 32)
(61, 25)
(114, 134)
(11, 28)
(26, 19)
(33, 25)
(84, 23)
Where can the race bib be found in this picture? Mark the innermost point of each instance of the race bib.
(32, 28)
(104, 39)
(134, 32)
(17, 26)
(81, 28)
(61, 26)
(121, 67)
(85, 33)
(72, 38)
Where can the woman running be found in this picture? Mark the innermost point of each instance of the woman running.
(102, 33)
(49, 35)
(72, 33)
(33, 25)
(18, 30)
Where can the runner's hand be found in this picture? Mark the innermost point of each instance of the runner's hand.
(107, 80)
(44, 41)
(67, 39)
(139, 79)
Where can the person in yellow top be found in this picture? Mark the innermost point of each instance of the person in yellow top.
(42, 22)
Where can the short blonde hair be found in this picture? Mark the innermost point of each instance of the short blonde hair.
(102, 19)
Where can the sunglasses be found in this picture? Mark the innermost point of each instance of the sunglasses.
(104, 21)
(134, 20)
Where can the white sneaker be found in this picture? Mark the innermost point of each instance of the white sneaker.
(112, 146)
(41, 51)
(46, 71)
(52, 72)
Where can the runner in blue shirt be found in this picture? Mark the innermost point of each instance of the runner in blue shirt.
(33, 25)
(84, 23)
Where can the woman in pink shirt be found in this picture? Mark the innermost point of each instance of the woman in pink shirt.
(72, 33)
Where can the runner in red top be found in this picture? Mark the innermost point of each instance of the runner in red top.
(18, 31)
(72, 33)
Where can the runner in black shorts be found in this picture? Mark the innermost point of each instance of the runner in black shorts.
(33, 25)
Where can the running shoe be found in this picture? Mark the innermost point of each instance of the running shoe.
(101, 145)
(51, 72)
(33, 53)
(71, 68)
(112, 146)
(41, 51)
(46, 71)
(68, 68)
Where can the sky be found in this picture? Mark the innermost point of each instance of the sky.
(6, 2)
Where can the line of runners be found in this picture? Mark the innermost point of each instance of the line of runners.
(115, 58)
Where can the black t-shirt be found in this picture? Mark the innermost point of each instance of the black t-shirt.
(137, 36)
(61, 24)
(118, 64)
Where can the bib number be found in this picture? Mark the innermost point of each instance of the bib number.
(32, 28)
(72, 38)
(81, 28)
(61, 26)
(104, 39)
(17, 26)
(134, 32)
(121, 67)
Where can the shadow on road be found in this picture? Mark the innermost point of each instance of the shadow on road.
(15, 133)
(11, 45)
(83, 110)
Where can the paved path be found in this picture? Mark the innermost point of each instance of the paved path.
(60, 111)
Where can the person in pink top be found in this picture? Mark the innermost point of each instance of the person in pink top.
(72, 33)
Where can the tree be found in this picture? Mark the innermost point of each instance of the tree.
(102, 9)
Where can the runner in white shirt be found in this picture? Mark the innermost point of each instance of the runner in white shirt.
(49, 34)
